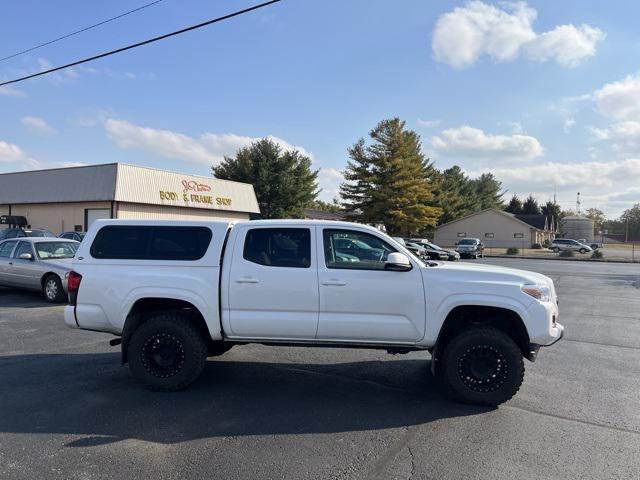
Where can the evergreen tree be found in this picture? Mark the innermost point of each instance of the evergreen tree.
(283, 181)
(390, 180)
(552, 211)
(454, 194)
(530, 206)
(487, 190)
(514, 206)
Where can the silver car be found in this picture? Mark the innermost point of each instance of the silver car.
(41, 264)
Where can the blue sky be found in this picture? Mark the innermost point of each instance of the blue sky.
(544, 94)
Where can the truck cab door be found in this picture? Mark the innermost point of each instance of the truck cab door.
(361, 301)
(272, 284)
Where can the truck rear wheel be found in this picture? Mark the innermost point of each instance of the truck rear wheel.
(167, 352)
(482, 365)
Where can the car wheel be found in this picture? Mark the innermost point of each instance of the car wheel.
(583, 250)
(555, 250)
(167, 352)
(482, 365)
(52, 289)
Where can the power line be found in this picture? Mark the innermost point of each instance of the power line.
(145, 42)
(31, 49)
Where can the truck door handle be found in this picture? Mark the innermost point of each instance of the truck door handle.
(334, 283)
(247, 280)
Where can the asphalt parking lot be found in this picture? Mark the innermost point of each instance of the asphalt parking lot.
(69, 410)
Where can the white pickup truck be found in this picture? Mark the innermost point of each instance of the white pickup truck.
(175, 292)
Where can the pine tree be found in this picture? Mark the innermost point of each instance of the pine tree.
(390, 180)
(514, 206)
(454, 194)
(488, 191)
(530, 206)
(283, 181)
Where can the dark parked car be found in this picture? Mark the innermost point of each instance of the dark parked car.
(441, 253)
(77, 236)
(6, 233)
(470, 247)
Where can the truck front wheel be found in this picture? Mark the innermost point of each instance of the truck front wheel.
(482, 365)
(167, 352)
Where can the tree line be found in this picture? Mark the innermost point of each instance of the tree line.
(388, 180)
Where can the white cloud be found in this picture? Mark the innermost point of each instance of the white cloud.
(467, 33)
(567, 44)
(329, 180)
(208, 148)
(38, 125)
(470, 142)
(13, 156)
(624, 136)
(620, 100)
(611, 186)
(8, 91)
(428, 123)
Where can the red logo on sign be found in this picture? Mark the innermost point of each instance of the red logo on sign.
(193, 186)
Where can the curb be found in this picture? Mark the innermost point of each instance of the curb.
(561, 259)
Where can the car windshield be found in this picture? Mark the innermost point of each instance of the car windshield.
(55, 250)
(38, 233)
(467, 241)
(433, 246)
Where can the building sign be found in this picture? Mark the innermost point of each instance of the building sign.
(194, 194)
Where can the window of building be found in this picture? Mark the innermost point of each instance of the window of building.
(462, 234)
(278, 247)
(151, 243)
(354, 250)
(518, 235)
(488, 235)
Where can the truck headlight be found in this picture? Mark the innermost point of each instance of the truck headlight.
(539, 292)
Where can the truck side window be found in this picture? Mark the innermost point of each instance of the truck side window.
(278, 247)
(151, 243)
(354, 250)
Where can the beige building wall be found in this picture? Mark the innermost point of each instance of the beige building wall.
(501, 226)
(141, 211)
(4, 209)
(57, 217)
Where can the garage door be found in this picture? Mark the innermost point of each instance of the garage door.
(93, 214)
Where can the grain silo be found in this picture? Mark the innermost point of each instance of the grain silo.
(576, 227)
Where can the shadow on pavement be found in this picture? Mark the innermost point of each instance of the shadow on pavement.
(17, 298)
(92, 396)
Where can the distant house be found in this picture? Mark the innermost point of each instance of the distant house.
(496, 228)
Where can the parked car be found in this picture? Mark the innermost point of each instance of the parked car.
(560, 244)
(470, 247)
(430, 253)
(358, 248)
(37, 263)
(593, 245)
(418, 250)
(433, 249)
(175, 292)
(77, 236)
(6, 233)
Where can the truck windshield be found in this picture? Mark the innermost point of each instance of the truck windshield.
(54, 250)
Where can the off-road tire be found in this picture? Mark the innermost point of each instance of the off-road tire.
(482, 365)
(167, 352)
(52, 289)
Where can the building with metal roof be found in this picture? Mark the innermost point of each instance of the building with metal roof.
(72, 198)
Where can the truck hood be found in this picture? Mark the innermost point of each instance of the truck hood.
(466, 272)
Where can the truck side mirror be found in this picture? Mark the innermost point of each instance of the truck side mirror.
(397, 262)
